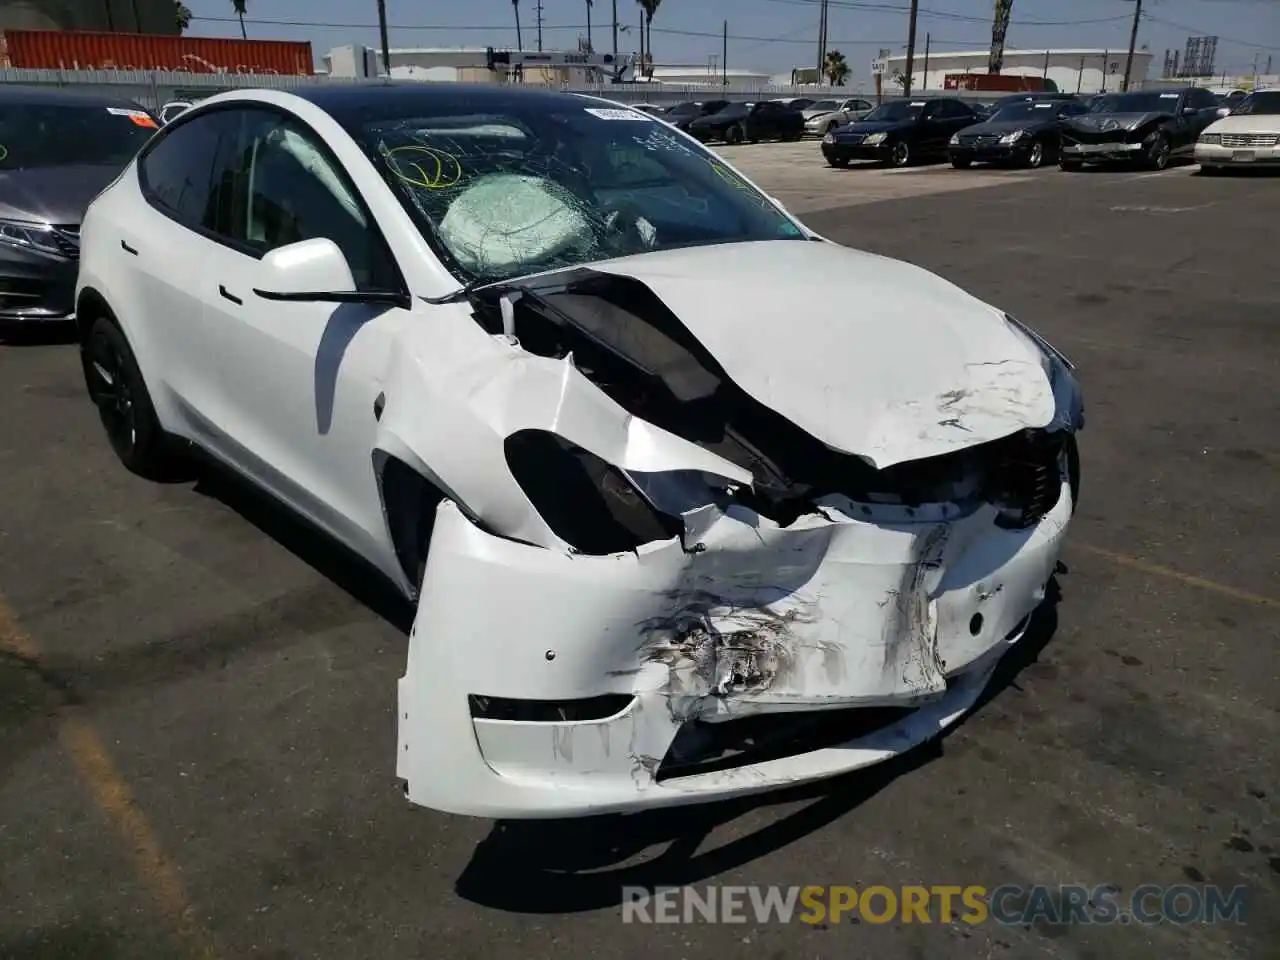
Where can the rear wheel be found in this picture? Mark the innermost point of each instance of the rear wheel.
(900, 155)
(116, 387)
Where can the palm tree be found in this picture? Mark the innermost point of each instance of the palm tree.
(836, 68)
(650, 7)
(183, 15)
(238, 7)
(515, 5)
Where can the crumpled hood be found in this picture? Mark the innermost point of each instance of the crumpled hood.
(872, 356)
(1107, 122)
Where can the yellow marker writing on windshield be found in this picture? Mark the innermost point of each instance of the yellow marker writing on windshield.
(446, 173)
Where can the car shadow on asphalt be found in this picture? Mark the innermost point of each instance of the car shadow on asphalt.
(570, 866)
(42, 334)
(312, 546)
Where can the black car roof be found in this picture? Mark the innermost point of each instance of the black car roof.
(14, 95)
(349, 102)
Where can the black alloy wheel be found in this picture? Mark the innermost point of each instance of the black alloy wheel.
(1035, 156)
(1159, 153)
(900, 155)
(116, 387)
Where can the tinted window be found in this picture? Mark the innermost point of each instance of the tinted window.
(272, 185)
(1204, 100)
(897, 110)
(1259, 103)
(1031, 110)
(54, 135)
(955, 110)
(175, 173)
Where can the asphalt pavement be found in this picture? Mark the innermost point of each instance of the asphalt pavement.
(197, 694)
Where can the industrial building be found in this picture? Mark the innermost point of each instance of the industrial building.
(467, 65)
(1072, 71)
(122, 16)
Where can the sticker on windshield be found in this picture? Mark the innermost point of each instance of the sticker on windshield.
(920, 104)
(606, 114)
(140, 117)
(1043, 106)
(1168, 96)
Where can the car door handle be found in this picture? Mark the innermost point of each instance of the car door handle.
(128, 249)
(228, 295)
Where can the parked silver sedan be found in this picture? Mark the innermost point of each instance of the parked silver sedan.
(825, 115)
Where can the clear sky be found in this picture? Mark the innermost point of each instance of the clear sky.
(773, 35)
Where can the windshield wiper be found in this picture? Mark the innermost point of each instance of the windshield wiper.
(464, 292)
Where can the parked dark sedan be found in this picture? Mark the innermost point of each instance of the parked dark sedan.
(57, 152)
(683, 114)
(1025, 132)
(900, 133)
(1149, 127)
(750, 123)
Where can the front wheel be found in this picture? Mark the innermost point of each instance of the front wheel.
(734, 135)
(1159, 152)
(1035, 156)
(962, 164)
(124, 405)
(900, 156)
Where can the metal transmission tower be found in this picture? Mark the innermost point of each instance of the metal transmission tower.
(999, 27)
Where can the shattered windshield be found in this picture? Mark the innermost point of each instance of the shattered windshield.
(538, 187)
(1135, 103)
(1259, 103)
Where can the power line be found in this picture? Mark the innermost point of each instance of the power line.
(1199, 32)
(869, 5)
(668, 31)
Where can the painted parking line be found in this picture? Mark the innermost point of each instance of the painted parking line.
(1168, 573)
(111, 793)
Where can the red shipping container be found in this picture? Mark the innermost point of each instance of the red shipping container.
(83, 50)
(994, 82)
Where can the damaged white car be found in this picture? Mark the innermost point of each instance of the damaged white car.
(670, 540)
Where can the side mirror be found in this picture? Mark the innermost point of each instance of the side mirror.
(315, 271)
(1189, 111)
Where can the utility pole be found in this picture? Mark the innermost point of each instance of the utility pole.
(924, 79)
(1133, 41)
(382, 29)
(538, 13)
(823, 13)
(911, 47)
(615, 33)
(999, 29)
(724, 59)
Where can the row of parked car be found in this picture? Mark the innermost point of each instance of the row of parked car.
(1148, 128)
(1152, 128)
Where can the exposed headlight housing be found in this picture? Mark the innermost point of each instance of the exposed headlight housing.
(588, 503)
(38, 238)
(875, 138)
(1013, 137)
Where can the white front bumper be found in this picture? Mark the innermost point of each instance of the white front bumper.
(1213, 154)
(830, 612)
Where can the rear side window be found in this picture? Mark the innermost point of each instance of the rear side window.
(175, 172)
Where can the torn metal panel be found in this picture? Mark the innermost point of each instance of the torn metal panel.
(837, 610)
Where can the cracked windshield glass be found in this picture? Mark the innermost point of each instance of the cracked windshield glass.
(536, 187)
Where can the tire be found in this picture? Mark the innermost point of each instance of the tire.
(124, 405)
(900, 155)
(1157, 157)
(962, 164)
(1035, 156)
(1070, 166)
(734, 135)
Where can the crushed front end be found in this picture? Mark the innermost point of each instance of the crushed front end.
(691, 633)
